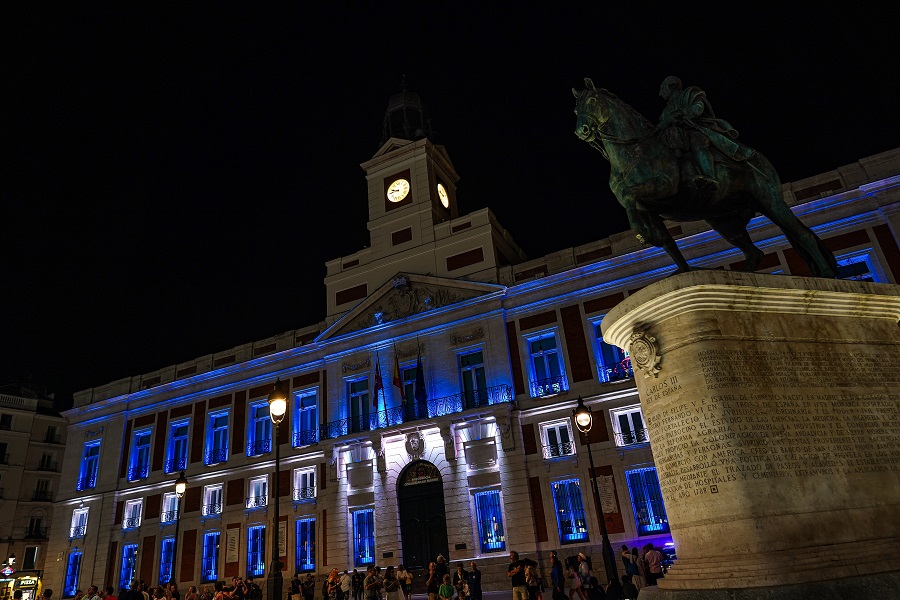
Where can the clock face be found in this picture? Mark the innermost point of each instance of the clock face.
(398, 190)
(442, 195)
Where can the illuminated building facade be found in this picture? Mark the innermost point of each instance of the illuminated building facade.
(471, 454)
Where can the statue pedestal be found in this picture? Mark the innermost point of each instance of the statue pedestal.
(773, 405)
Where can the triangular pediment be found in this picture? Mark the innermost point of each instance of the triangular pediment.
(390, 145)
(407, 295)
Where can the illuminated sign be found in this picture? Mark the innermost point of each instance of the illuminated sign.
(8, 571)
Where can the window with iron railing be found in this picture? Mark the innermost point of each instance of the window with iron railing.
(212, 500)
(79, 523)
(129, 565)
(217, 439)
(570, 517)
(304, 484)
(628, 425)
(73, 570)
(166, 559)
(256, 551)
(647, 501)
(305, 537)
(306, 418)
(472, 378)
(132, 515)
(363, 537)
(169, 513)
(139, 467)
(209, 566)
(556, 439)
(260, 434)
(259, 490)
(90, 464)
(613, 363)
(176, 458)
(489, 515)
(546, 365)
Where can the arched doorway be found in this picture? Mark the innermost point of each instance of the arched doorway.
(423, 522)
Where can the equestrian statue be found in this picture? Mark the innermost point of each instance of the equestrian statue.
(690, 167)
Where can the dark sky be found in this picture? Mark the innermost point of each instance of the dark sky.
(175, 179)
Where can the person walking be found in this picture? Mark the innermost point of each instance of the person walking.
(630, 560)
(473, 579)
(654, 564)
(557, 579)
(516, 574)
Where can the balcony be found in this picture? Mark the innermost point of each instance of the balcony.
(304, 494)
(305, 438)
(209, 510)
(616, 371)
(48, 465)
(131, 522)
(168, 516)
(173, 465)
(36, 533)
(42, 496)
(77, 532)
(52, 438)
(633, 438)
(138, 472)
(86, 483)
(257, 501)
(564, 449)
(259, 447)
(216, 456)
(544, 388)
(415, 411)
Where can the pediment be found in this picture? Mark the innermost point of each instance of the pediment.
(405, 296)
(390, 145)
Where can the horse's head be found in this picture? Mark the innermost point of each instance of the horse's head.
(592, 111)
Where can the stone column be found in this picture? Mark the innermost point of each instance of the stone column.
(773, 404)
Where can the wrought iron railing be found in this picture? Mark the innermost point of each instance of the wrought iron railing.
(52, 438)
(173, 465)
(414, 411)
(77, 532)
(168, 516)
(616, 371)
(131, 522)
(36, 533)
(138, 472)
(86, 483)
(630, 438)
(211, 509)
(208, 571)
(542, 388)
(215, 456)
(304, 493)
(48, 465)
(42, 496)
(305, 437)
(259, 447)
(257, 501)
(559, 450)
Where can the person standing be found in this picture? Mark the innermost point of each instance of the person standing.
(92, 593)
(433, 583)
(295, 589)
(346, 585)
(516, 574)
(48, 593)
(556, 576)
(628, 588)
(630, 560)
(357, 582)
(392, 590)
(459, 581)
(405, 579)
(654, 564)
(473, 578)
(370, 584)
(445, 591)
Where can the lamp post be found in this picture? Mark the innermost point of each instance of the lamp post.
(277, 408)
(180, 489)
(583, 421)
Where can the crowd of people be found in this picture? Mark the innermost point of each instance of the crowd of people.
(240, 589)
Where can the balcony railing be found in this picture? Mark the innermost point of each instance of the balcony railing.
(216, 456)
(168, 516)
(48, 465)
(52, 438)
(259, 447)
(304, 493)
(86, 483)
(36, 533)
(77, 532)
(559, 450)
(617, 371)
(630, 438)
(131, 522)
(42, 496)
(549, 387)
(173, 465)
(4, 459)
(414, 411)
(138, 472)
(257, 501)
(209, 571)
(208, 510)
(305, 437)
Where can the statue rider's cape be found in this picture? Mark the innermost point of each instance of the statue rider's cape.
(720, 133)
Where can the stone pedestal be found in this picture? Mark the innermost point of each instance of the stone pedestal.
(773, 405)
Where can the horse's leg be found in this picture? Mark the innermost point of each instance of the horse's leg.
(734, 230)
(652, 230)
(814, 253)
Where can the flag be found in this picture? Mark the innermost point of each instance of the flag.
(398, 382)
(379, 384)
(420, 393)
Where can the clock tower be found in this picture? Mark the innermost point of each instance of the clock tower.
(414, 224)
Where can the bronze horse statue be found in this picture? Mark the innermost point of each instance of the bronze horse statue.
(654, 184)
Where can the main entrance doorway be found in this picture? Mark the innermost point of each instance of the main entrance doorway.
(423, 522)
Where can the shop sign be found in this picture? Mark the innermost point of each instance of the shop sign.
(7, 571)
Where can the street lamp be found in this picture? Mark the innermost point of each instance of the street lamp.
(277, 408)
(180, 488)
(583, 421)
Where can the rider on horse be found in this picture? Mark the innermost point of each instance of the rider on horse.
(688, 124)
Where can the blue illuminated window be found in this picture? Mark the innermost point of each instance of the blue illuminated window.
(861, 265)
(73, 570)
(647, 501)
(260, 434)
(306, 418)
(166, 559)
(474, 382)
(256, 550)
(140, 456)
(569, 506)
(306, 545)
(209, 569)
(363, 537)
(217, 439)
(490, 521)
(176, 459)
(547, 373)
(129, 565)
(613, 363)
(358, 404)
(90, 466)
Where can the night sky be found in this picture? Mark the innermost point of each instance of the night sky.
(175, 179)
